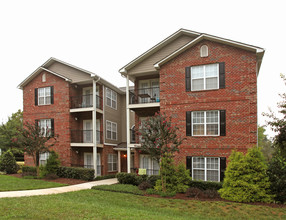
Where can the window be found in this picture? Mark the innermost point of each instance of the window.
(111, 130)
(206, 168)
(44, 96)
(112, 162)
(204, 51)
(152, 167)
(205, 77)
(44, 77)
(111, 98)
(46, 126)
(43, 158)
(206, 123)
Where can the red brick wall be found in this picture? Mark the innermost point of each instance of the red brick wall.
(238, 98)
(59, 111)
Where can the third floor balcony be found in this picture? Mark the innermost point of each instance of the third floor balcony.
(144, 95)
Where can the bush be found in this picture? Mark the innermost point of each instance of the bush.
(145, 185)
(277, 177)
(245, 178)
(110, 176)
(129, 178)
(173, 178)
(153, 179)
(29, 171)
(204, 185)
(197, 193)
(53, 163)
(76, 173)
(8, 163)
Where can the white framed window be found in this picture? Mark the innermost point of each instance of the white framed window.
(205, 123)
(152, 167)
(46, 127)
(111, 130)
(112, 162)
(111, 98)
(43, 158)
(206, 168)
(204, 51)
(44, 96)
(44, 77)
(205, 77)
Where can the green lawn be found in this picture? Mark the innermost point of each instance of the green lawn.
(95, 204)
(10, 183)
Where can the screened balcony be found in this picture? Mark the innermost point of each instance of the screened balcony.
(144, 95)
(85, 136)
(85, 101)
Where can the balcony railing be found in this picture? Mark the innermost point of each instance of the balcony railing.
(85, 101)
(146, 95)
(85, 136)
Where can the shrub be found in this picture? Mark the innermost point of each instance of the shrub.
(145, 185)
(204, 185)
(53, 163)
(8, 163)
(76, 173)
(29, 171)
(277, 177)
(197, 193)
(129, 178)
(110, 176)
(245, 178)
(173, 179)
(153, 179)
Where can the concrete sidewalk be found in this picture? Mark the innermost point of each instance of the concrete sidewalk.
(57, 190)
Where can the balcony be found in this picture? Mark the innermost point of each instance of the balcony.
(85, 101)
(145, 95)
(85, 136)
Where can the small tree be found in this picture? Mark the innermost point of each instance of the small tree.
(159, 136)
(8, 163)
(34, 141)
(265, 144)
(245, 178)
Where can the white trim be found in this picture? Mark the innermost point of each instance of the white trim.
(111, 99)
(108, 144)
(205, 167)
(56, 74)
(146, 105)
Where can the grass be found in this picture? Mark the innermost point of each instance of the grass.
(123, 188)
(10, 183)
(95, 204)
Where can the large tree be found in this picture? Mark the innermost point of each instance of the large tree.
(264, 143)
(35, 140)
(159, 136)
(277, 166)
(9, 132)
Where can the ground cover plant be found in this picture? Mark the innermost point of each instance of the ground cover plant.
(95, 204)
(10, 183)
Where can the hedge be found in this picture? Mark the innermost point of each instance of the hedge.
(76, 173)
(204, 185)
(134, 179)
(29, 171)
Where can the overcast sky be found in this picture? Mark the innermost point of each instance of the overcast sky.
(103, 36)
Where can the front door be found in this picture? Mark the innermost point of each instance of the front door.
(87, 131)
(88, 162)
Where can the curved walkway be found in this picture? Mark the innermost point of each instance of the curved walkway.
(57, 190)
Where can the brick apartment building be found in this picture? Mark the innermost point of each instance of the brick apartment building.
(73, 103)
(208, 85)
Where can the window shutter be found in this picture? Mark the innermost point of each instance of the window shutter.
(189, 123)
(222, 167)
(36, 96)
(52, 95)
(222, 123)
(188, 78)
(222, 75)
(36, 123)
(52, 127)
(189, 164)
